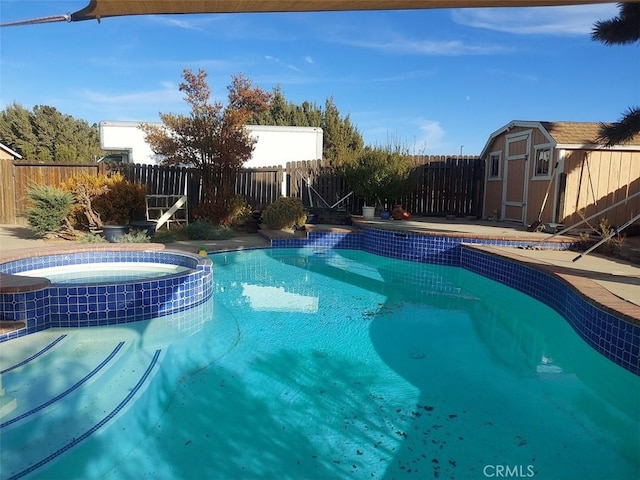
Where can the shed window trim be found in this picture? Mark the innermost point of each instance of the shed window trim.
(495, 166)
(543, 162)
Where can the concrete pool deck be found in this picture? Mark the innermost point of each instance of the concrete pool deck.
(611, 282)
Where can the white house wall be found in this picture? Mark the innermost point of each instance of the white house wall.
(127, 137)
(279, 145)
(275, 145)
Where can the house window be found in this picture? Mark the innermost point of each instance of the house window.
(494, 165)
(543, 162)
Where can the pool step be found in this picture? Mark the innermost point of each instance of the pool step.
(38, 389)
(8, 326)
(36, 436)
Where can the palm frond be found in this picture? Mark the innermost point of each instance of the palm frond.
(621, 30)
(622, 131)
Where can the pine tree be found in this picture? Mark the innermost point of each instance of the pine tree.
(47, 135)
(341, 140)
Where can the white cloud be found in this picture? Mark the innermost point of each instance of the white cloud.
(431, 135)
(169, 93)
(428, 47)
(141, 105)
(125, 63)
(180, 22)
(280, 62)
(309, 59)
(567, 20)
(388, 38)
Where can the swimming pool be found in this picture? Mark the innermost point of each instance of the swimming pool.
(317, 363)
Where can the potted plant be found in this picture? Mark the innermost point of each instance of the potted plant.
(118, 203)
(112, 231)
(105, 203)
(377, 176)
(364, 177)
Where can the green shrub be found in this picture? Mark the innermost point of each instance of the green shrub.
(133, 237)
(285, 212)
(124, 201)
(113, 197)
(380, 174)
(50, 207)
(205, 230)
(240, 212)
(165, 236)
(231, 211)
(92, 238)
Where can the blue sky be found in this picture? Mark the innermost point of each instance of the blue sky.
(437, 81)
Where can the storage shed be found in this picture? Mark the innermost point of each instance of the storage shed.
(526, 159)
(7, 154)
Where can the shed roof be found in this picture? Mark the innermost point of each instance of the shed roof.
(579, 133)
(565, 134)
(11, 152)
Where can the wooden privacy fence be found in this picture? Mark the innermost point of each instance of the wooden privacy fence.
(260, 186)
(16, 177)
(446, 184)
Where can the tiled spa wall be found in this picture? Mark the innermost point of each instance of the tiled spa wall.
(105, 303)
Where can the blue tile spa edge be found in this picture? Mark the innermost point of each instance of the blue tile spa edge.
(66, 305)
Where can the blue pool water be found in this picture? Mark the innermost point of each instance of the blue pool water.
(108, 272)
(322, 364)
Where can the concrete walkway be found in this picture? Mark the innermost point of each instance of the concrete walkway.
(17, 239)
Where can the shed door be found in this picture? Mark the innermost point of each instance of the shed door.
(516, 176)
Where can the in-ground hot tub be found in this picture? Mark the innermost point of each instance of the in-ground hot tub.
(105, 272)
(132, 285)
